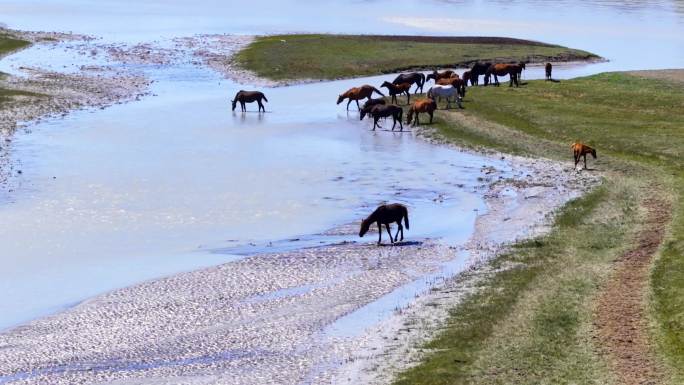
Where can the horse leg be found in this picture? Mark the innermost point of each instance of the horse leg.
(401, 126)
(396, 236)
(357, 105)
(375, 122)
(585, 161)
(394, 122)
(431, 113)
(379, 233)
(243, 106)
(389, 233)
(348, 103)
(408, 98)
(261, 106)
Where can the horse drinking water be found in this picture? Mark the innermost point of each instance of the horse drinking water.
(385, 215)
(249, 97)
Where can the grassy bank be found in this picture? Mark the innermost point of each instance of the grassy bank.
(8, 44)
(340, 56)
(533, 322)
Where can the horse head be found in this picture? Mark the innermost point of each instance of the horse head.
(365, 225)
(365, 110)
(386, 84)
(234, 101)
(340, 98)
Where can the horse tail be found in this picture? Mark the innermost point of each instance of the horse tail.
(378, 91)
(406, 221)
(264, 96)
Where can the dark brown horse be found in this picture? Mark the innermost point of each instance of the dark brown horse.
(382, 111)
(466, 77)
(249, 97)
(427, 106)
(385, 215)
(370, 103)
(416, 78)
(512, 70)
(440, 75)
(398, 89)
(476, 70)
(548, 69)
(358, 93)
(579, 150)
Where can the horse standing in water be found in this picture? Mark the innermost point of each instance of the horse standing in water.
(370, 103)
(416, 78)
(382, 111)
(579, 149)
(249, 97)
(398, 89)
(548, 68)
(427, 106)
(512, 70)
(477, 70)
(385, 215)
(358, 93)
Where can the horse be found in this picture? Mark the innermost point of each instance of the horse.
(476, 70)
(416, 78)
(248, 97)
(512, 70)
(385, 215)
(447, 92)
(383, 111)
(370, 103)
(548, 69)
(579, 149)
(455, 81)
(439, 75)
(398, 89)
(466, 77)
(423, 105)
(358, 93)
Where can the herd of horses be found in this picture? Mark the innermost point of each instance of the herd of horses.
(448, 85)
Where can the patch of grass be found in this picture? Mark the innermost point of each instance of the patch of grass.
(531, 322)
(9, 43)
(341, 56)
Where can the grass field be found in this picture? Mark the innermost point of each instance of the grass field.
(284, 57)
(9, 44)
(534, 323)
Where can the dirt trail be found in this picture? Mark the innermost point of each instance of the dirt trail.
(621, 320)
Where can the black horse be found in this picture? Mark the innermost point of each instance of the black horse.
(382, 111)
(477, 70)
(384, 215)
(416, 78)
(249, 97)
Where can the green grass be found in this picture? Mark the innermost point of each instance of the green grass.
(9, 43)
(341, 56)
(532, 323)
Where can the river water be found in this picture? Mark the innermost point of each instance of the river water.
(111, 197)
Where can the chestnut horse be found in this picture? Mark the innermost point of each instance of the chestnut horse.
(385, 215)
(248, 97)
(512, 70)
(455, 81)
(382, 111)
(416, 78)
(398, 89)
(421, 106)
(477, 70)
(440, 75)
(579, 149)
(358, 93)
(548, 69)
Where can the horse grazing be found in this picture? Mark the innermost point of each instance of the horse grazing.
(579, 149)
(421, 106)
(398, 89)
(383, 111)
(447, 92)
(548, 69)
(358, 93)
(385, 215)
(466, 77)
(416, 78)
(440, 75)
(455, 81)
(512, 70)
(248, 97)
(476, 70)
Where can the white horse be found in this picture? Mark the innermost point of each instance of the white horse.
(438, 91)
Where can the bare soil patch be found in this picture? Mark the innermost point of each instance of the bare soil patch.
(621, 315)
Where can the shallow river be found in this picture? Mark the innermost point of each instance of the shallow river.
(177, 181)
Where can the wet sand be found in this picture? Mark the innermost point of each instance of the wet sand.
(267, 318)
